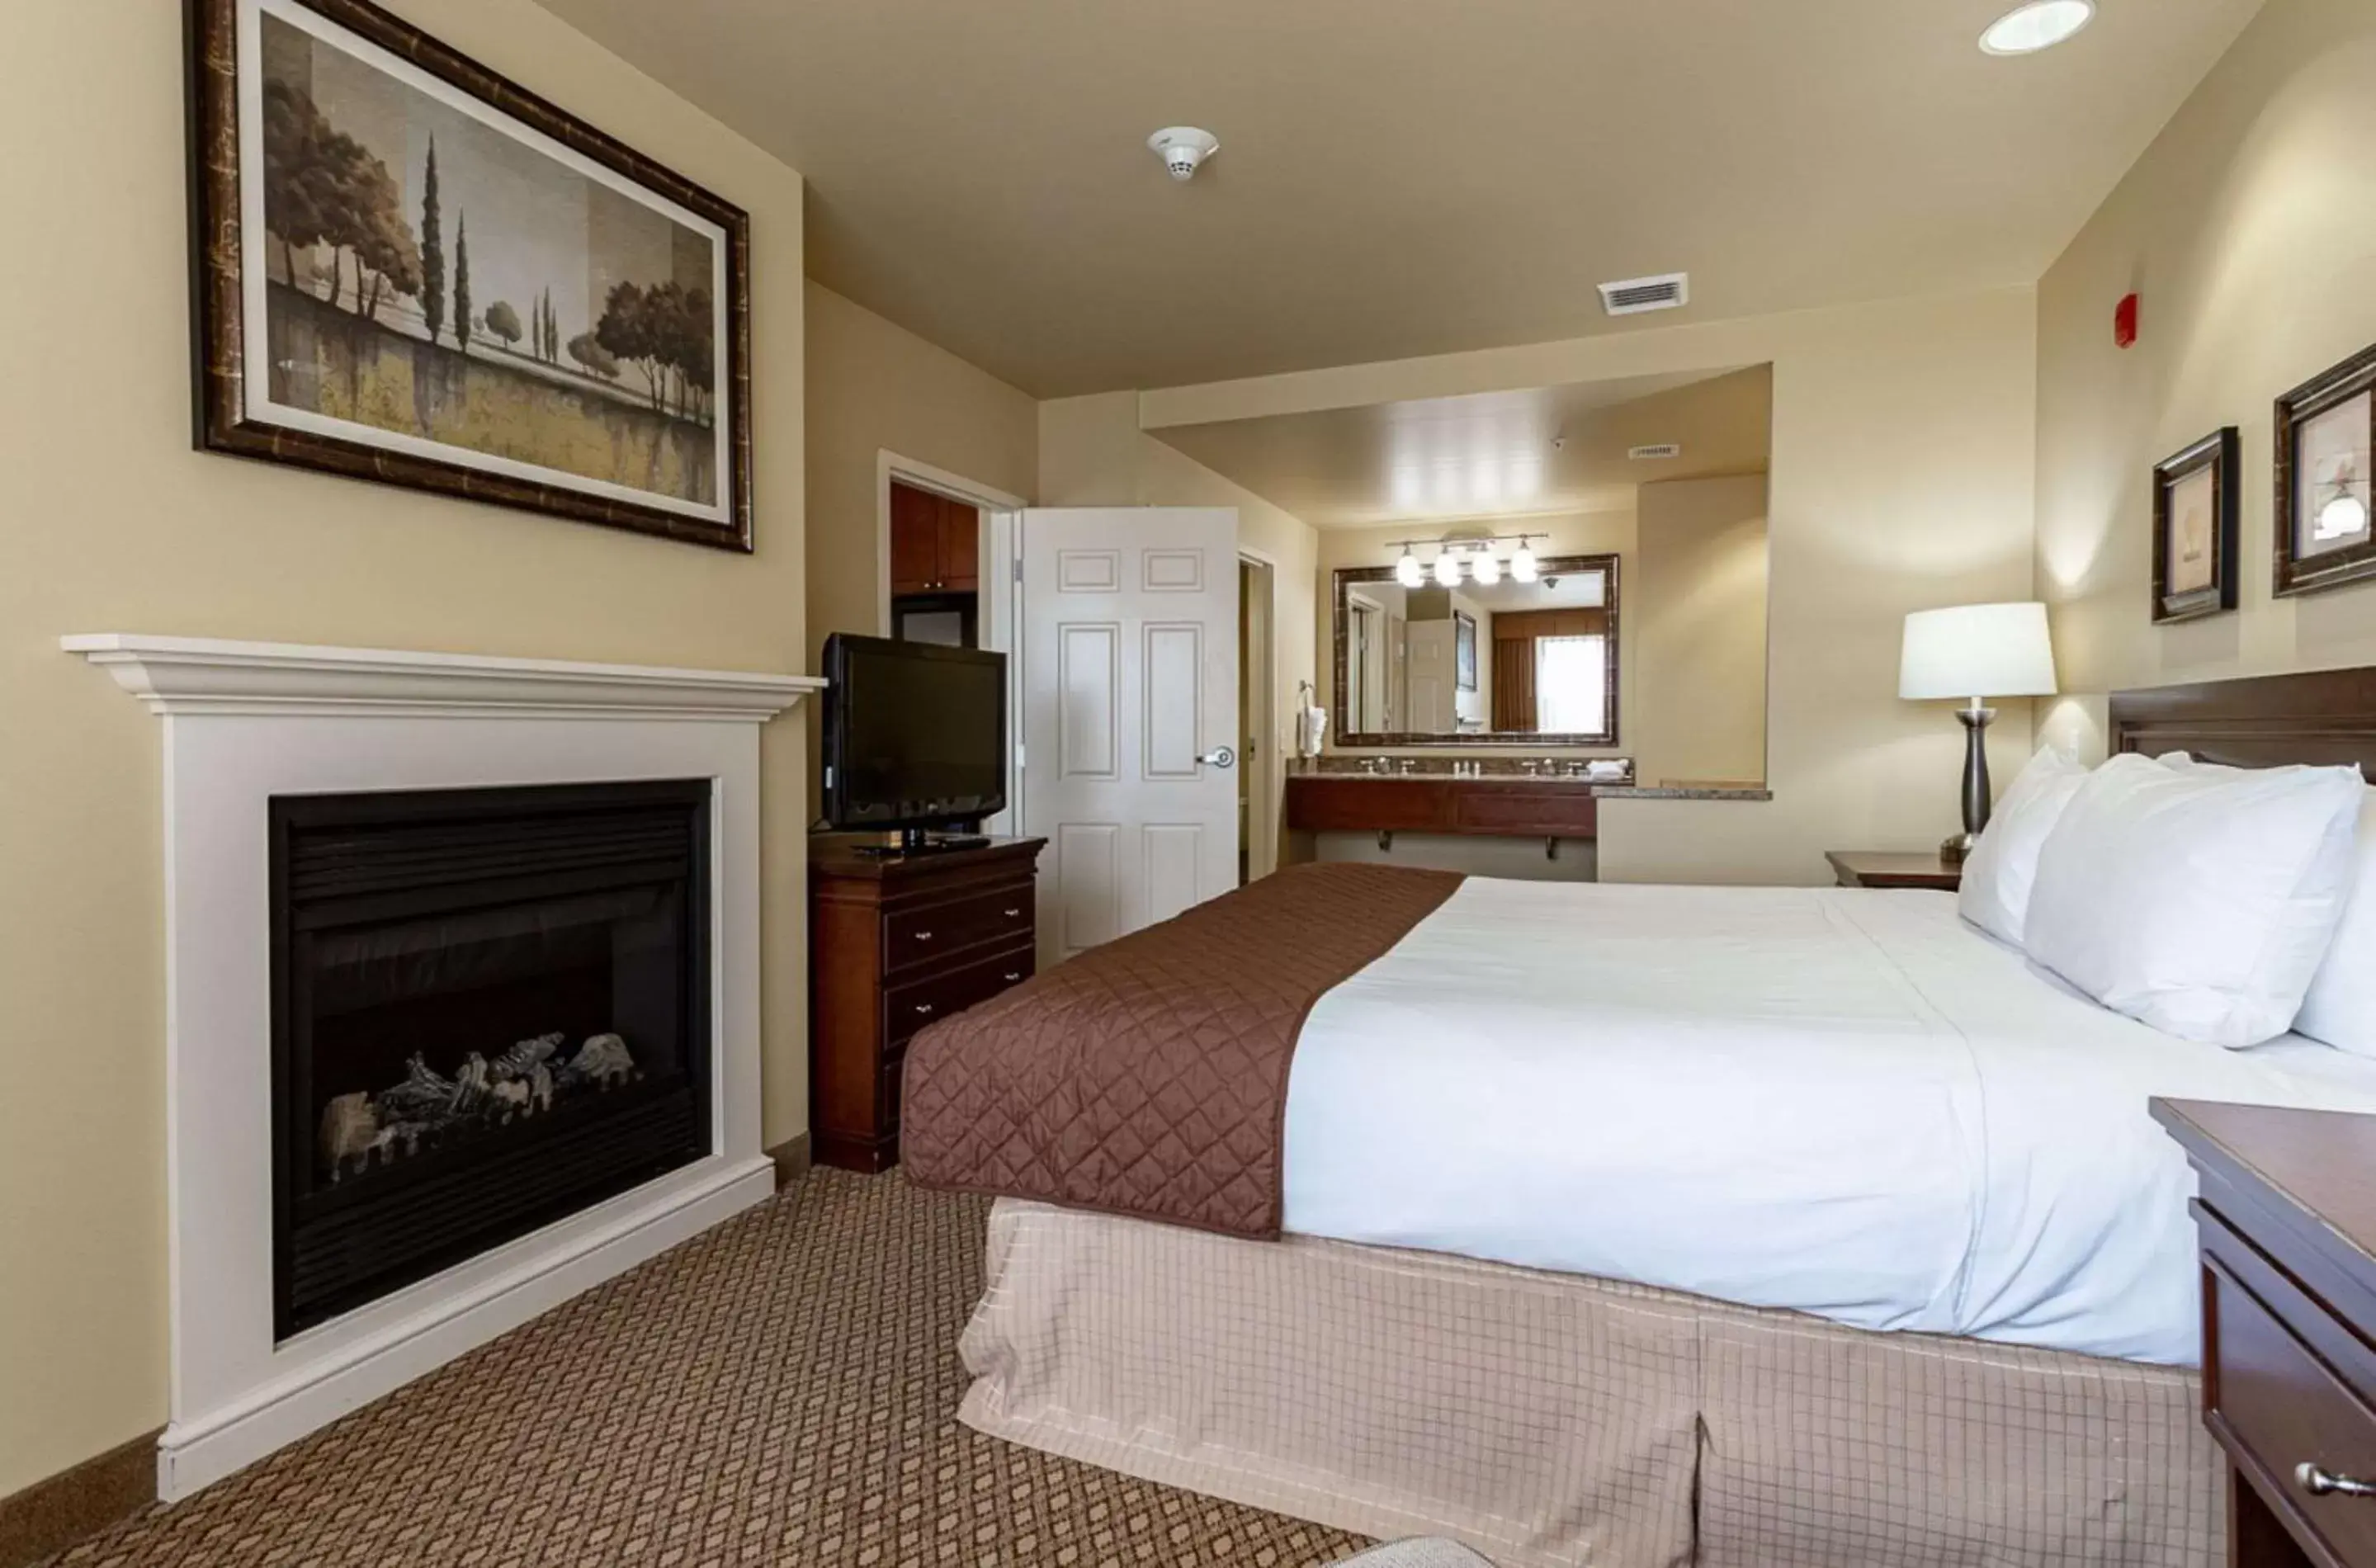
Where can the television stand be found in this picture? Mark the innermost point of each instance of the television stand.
(921, 842)
(897, 944)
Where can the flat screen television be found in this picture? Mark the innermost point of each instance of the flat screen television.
(915, 735)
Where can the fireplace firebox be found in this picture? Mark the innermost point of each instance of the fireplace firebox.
(491, 1008)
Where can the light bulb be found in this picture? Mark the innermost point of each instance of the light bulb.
(1522, 565)
(2041, 24)
(2341, 517)
(1486, 567)
(1447, 570)
(1409, 573)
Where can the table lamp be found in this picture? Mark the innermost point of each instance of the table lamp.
(1972, 652)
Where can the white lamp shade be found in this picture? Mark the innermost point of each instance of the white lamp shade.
(1977, 650)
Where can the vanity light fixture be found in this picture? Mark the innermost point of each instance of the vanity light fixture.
(1465, 554)
(2041, 24)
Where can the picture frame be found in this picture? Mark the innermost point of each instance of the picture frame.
(407, 269)
(2326, 519)
(2197, 520)
(1463, 651)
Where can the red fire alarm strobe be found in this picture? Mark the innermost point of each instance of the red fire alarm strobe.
(2124, 321)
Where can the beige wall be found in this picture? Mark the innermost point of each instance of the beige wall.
(1092, 453)
(1902, 479)
(1698, 597)
(1577, 534)
(2248, 233)
(113, 524)
(881, 389)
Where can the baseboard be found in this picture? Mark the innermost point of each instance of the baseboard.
(50, 1516)
(197, 1454)
(792, 1157)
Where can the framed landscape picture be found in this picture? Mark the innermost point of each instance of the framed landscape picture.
(2325, 429)
(2196, 517)
(406, 268)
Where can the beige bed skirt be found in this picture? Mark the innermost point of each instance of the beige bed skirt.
(1551, 1418)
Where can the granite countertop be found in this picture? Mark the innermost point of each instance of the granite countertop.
(1604, 791)
(1675, 792)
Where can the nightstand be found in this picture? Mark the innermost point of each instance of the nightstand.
(2287, 1220)
(1878, 868)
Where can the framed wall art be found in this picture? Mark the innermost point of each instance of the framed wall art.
(1463, 651)
(2325, 429)
(409, 269)
(2197, 514)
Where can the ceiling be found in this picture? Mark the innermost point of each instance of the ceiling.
(1404, 177)
(1491, 454)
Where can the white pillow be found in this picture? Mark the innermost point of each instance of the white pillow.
(1998, 872)
(2195, 900)
(2340, 1008)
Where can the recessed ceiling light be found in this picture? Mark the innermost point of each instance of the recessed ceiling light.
(2041, 24)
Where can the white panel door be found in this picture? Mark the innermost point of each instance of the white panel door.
(1129, 627)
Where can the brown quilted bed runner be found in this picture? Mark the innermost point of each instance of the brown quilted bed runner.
(1148, 1078)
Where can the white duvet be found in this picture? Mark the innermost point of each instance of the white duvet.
(1845, 1101)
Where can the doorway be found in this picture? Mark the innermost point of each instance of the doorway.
(1259, 780)
(946, 549)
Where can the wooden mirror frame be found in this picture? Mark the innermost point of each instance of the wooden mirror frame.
(1548, 566)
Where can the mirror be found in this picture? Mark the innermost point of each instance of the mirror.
(1502, 663)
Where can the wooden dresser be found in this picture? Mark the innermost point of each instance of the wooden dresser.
(894, 945)
(2287, 1222)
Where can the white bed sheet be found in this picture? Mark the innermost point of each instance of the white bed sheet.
(1845, 1101)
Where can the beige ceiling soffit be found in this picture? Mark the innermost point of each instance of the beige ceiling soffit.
(1619, 356)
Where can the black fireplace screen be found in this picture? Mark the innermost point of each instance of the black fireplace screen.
(490, 1009)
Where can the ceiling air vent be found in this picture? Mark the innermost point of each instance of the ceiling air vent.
(1663, 449)
(1637, 294)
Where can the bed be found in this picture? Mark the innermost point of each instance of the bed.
(1616, 1225)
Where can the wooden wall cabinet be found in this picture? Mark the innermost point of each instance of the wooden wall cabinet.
(935, 543)
(894, 946)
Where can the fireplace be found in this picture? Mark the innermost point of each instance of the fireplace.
(491, 1009)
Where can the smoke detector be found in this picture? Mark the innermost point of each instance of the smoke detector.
(1635, 295)
(1183, 148)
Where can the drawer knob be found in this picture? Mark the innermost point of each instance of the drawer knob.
(923, 936)
(1014, 914)
(1013, 974)
(925, 1009)
(2318, 1482)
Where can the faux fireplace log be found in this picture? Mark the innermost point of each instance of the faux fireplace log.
(489, 1010)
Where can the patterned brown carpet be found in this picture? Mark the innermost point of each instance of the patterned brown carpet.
(779, 1392)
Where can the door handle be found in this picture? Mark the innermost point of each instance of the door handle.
(1219, 756)
(2317, 1482)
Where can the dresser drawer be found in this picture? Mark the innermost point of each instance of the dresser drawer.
(2276, 1404)
(912, 1006)
(921, 935)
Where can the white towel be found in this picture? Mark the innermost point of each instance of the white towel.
(1310, 731)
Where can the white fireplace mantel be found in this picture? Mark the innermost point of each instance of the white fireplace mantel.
(243, 722)
(211, 675)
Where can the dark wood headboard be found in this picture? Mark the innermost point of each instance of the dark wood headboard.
(2319, 716)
